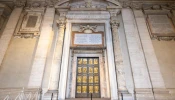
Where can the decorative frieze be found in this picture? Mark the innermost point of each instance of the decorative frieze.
(169, 5)
(88, 28)
(88, 15)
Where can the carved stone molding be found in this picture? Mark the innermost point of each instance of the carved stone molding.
(88, 15)
(29, 23)
(169, 5)
(26, 35)
(88, 3)
(36, 4)
(88, 28)
(20, 3)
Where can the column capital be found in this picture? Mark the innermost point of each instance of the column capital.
(114, 23)
(61, 22)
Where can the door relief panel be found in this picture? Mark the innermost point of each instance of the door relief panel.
(87, 79)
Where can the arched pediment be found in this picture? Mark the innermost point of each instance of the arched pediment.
(93, 2)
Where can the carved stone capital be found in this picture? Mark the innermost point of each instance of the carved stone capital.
(61, 22)
(115, 23)
(114, 13)
(20, 3)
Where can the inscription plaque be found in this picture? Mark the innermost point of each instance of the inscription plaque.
(88, 39)
(161, 25)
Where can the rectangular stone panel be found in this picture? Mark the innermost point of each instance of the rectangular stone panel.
(90, 39)
(161, 25)
(32, 21)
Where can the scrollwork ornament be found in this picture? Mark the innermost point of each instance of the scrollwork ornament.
(88, 27)
(88, 3)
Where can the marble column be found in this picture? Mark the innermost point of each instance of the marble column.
(118, 56)
(137, 59)
(64, 63)
(111, 63)
(9, 31)
(56, 63)
(42, 49)
(152, 62)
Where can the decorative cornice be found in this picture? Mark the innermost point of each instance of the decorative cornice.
(153, 5)
(20, 3)
(36, 4)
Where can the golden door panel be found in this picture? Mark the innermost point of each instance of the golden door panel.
(87, 79)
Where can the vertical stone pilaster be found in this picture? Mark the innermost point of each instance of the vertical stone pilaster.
(8, 31)
(111, 63)
(56, 63)
(118, 56)
(64, 63)
(42, 49)
(153, 65)
(138, 63)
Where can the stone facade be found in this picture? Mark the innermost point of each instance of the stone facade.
(41, 43)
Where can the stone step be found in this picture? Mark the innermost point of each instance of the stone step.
(89, 99)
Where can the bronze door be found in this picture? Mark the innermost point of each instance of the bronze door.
(87, 79)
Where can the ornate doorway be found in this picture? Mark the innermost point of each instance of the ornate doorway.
(87, 78)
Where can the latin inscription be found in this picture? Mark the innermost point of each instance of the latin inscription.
(88, 39)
